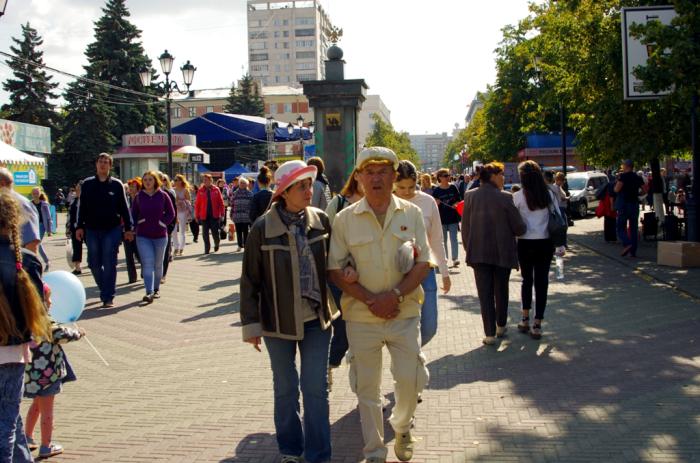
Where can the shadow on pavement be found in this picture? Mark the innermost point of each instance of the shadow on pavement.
(614, 377)
(224, 306)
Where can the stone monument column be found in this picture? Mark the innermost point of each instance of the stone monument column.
(336, 102)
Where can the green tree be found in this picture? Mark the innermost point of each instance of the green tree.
(31, 88)
(245, 98)
(579, 44)
(383, 134)
(455, 148)
(87, 131)
(115, 57)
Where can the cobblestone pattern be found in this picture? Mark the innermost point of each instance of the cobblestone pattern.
(616, 376)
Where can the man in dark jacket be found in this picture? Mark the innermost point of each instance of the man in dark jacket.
(102, 211)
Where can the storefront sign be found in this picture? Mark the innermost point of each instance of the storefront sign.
(158, 139)
(26, 178)
(26, 137)
(200, 158)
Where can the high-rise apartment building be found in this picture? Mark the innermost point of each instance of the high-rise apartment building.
(431, 149)
(287, 41)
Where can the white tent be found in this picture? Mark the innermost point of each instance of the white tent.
(11, 155)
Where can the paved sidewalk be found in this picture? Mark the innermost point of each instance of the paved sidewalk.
(589, 233)
(616, 376)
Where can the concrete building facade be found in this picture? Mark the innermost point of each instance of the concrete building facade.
(287, 41)
(365, 122)
(431, 149)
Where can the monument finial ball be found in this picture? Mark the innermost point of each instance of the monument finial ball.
(335, 52)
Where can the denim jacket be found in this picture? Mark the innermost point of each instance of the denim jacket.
(8, 280)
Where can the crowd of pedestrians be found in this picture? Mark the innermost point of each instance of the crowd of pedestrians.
(325, 277)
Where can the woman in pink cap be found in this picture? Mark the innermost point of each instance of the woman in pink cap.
(285, 300)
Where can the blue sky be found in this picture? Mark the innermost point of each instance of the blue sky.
(425, 59)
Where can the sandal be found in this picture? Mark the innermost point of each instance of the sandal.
(31, 443)
(524, 325)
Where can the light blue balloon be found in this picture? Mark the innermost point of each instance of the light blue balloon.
(67, 296)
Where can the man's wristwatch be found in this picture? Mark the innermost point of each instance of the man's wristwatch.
(397, 291)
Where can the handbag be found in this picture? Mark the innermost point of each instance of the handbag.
(556, 225)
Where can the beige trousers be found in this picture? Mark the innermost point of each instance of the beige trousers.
(402, 338)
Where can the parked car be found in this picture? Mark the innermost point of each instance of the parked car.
(584, 188)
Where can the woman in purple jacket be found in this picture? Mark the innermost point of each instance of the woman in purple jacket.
(152, 211)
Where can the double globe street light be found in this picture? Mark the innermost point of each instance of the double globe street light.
(165, 89)
(300, 125)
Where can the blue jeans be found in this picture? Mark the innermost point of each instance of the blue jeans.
(42, 251)
(339, 342)
(13, 443)
(314, 441)
(152, 251)
(429, 311)
(452, 228)
(628, 213)
(103, 247)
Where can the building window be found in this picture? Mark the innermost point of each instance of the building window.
(259, 67)
(277, 79)
(258, 45)
(210, 109)
(277, 34)
(192, 111)
(303, 77)
(305, 66)
(281, 44)
(304, 32)
(257, 35)
(258, 57)
(305, 43)
(288, 107)
(285, 33)
(285, 56)
(304, 21)
(177, 113)
(306, 54)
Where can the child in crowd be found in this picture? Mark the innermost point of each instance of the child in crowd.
(44, 378)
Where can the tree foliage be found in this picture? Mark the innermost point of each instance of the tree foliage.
(383, 134)
(31, 88)
(580, 50)
(86, 133)
(115, 57)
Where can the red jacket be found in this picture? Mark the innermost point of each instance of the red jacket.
(217, 203)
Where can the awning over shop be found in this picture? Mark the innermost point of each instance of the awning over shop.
(236, 128)
(11, 155)
(128, 152)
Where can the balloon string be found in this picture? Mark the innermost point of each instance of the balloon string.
(94, 348)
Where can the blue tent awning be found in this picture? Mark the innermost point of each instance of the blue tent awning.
(236, 128)
(234, 171)
(201, 169)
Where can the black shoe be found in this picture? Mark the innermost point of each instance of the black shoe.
(77, 272)
(194, 241)
(148, 298)
(206, 252)
(108, 304)
(156, 294)
(216, 247)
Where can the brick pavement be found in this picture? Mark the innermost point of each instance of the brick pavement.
(616, 376)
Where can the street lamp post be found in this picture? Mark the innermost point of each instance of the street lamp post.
(537, 64)
(300, 125)
(270, 127)
(166, 65)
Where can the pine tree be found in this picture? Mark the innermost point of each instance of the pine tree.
(31, 88)
(245, 99)
(86, 132)
(115, 57)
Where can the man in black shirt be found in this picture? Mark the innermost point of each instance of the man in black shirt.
(627, 205)
(102, 212)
